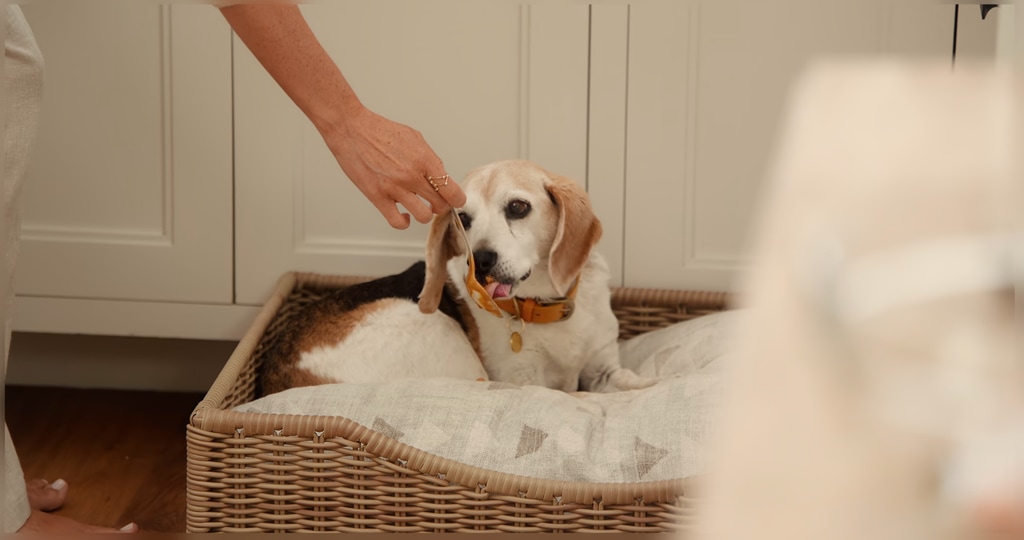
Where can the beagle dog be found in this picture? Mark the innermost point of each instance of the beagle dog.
(511, 290)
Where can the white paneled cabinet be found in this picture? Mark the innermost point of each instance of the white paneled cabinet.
(708, 83)
(129, 197)
(174, 181)
(127, 203)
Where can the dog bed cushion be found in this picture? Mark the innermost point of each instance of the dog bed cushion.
(657, 433)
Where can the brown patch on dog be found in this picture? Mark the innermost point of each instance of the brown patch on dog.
(443, 243)
(295, 378)
(577, 233)
(321, 324)
(334, 326)
(327, 323)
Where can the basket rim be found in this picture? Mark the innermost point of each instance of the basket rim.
(328, 428)
(207, 416)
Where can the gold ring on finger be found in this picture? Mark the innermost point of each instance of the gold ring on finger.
(433, 184)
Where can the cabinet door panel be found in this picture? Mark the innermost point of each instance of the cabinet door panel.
(707, 85)
(128, 194)
(481, 80)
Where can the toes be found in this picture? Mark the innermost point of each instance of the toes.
(129, 528)
(36, 483)
(46, 496)
(54, 524)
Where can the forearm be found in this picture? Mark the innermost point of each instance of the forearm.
(279, 37)
(389, 162)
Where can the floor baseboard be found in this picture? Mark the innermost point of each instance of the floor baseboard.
(122, 363)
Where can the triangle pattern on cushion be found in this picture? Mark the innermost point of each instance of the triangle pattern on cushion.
(647, 456)
(385, 428)
(530, 440)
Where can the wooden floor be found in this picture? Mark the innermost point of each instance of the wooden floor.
(122, 452)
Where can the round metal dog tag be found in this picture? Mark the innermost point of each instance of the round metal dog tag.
(516, 342)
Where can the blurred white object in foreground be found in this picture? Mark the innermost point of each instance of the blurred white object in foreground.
(880, 388)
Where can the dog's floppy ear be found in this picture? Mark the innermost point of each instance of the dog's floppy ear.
(578, 231)
(442, 244)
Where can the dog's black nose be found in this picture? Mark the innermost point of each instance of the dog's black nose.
(485, 260)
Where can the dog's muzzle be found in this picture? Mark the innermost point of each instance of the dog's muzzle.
(476, 290)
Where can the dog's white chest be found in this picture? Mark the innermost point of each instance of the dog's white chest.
(549, 354)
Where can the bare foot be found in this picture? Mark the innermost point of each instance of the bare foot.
(45, 496)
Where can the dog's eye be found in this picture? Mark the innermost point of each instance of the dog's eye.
(517, 209)
(465, 219)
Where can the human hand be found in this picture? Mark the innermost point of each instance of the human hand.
(389, 163)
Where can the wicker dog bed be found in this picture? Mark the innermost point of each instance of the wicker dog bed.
(250, 472)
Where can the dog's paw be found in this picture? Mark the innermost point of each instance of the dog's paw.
(622, 379)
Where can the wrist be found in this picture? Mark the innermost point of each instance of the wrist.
(337, 117)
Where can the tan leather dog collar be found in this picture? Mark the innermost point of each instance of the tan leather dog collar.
(536, 310)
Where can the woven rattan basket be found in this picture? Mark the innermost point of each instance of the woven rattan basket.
(251, 472)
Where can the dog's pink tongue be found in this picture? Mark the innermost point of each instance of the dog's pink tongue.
(498, 290)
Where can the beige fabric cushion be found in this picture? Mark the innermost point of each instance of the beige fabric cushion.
(653, 434)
